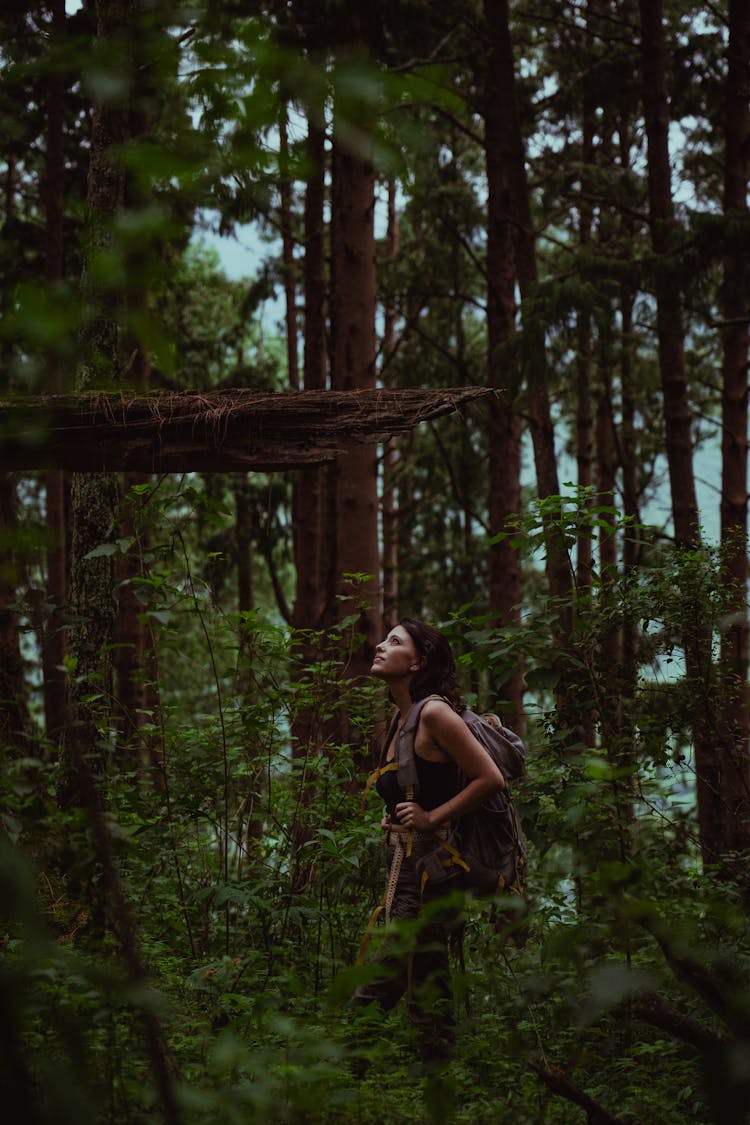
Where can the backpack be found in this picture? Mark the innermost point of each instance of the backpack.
(485, 852)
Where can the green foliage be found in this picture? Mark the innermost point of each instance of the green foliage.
(250, 871)
(235, 820)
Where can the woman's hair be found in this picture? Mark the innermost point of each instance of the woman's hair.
(437, 674)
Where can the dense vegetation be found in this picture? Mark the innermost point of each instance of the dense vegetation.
(449, 195)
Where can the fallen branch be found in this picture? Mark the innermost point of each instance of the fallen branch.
(214, 431)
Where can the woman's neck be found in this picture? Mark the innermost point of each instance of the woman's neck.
(401, 697)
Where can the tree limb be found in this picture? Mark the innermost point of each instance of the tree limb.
(653, 1008)
(558, 1082)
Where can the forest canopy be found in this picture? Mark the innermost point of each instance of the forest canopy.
(490, 370)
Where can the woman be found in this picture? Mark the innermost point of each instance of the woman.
(455, 774)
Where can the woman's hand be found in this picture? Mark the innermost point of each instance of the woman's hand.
(412, 815)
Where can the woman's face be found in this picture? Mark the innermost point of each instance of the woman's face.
(396, 656)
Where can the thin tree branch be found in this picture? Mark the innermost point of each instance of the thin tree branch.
(457, 491)
(655, 1009)
(558, 1082)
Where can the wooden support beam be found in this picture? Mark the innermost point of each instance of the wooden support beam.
(214, 431)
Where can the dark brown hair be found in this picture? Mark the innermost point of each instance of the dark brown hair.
(437, 674)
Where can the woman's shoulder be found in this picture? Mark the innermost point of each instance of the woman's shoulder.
(437, 711)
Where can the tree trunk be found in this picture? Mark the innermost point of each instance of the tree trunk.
(609, 634)
(353, 368)
(631, 536)
(677, 414)
(584, 424)
(310, 485)
(287, 252)
(735, 778)
(606, 465)
(53, 641)
(631, 543)
(95, 496)
(677, 422)
(243, 541)
(511, 155)
(504, 424)
(511, 146)
(134, 659)
(14, 715)
(389, 502)
(631, 505)
(312, 489)
(15, 722)
(584, 419)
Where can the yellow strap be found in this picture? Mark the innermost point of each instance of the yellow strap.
(455, 858)
(368, 933)
(374, 777)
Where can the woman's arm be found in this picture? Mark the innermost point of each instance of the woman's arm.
(450, 733)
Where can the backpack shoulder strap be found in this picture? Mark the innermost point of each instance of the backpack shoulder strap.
(382, 766)
(404, 753)
(388, 738)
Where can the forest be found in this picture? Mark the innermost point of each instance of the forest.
(489, 370)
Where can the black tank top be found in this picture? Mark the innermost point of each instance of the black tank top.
(438, 782)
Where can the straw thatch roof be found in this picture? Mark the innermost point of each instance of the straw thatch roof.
(220, 430)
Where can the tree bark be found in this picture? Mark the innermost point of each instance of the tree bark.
(14, 715)
(95, 496)
(243, 541)
(15, 721)
(504, 424)
(631, 537)
(631, 504)
(287, 253)
(677, 413)
(511, 154)
(389, 502)
(53, 641)
(606, 465)
(615, 738)
(677, 422)
(510, 142)
(735, 779)
(310, 484)
(353, 300)
(135, 660)
(584, 419)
